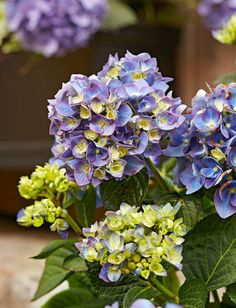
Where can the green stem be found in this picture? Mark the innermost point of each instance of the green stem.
(164, 290)
(156, 172)
(73, 224)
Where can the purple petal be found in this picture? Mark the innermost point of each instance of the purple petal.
(134, 165)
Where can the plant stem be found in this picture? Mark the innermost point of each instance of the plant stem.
(164, 290)
(156, 172)
(73, 224)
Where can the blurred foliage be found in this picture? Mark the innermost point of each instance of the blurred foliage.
(153, 12)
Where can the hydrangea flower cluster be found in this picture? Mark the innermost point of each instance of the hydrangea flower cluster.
(207, 145)
(43, 211)
(45, 182)
(49, 184)
(216, 13)
(227, 35)
(106, 125)
(54, 27)
(220, 17)
(135, 241)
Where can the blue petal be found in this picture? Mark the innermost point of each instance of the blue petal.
(124, 113)
(223, 207)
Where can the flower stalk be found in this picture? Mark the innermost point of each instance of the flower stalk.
(163, 289)
(157, 174)
(73, 224)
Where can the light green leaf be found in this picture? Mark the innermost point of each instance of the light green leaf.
(210, 252)
(50, 248)
(139, 292)
(54, 272)
(86, 207)
(131, 190)
(75, 263)
(74, 297)
(120, 15)
(193, 294)
(171, 281)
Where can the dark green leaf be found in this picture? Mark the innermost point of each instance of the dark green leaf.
(49, 249)
(193, 294)
(226, 79)
(54, 272)
(139, 292)
(113, 291)
(210, 252)
(226, 301)
(86, 207)
(74, 297)
(231, 291)
(75, 263)
(131, 190)
(80, 280)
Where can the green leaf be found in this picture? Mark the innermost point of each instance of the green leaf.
(72, 298)
(171, 281)
(75, 263)
(49, 249)
(210, 252)
(139, 292)
(190, 208)
(80, 280)
(231, 291)
(226, 79)
(120, 15)
(86, 207)
(132, 190)
(113, 291)
(54, 272)
(193, 294)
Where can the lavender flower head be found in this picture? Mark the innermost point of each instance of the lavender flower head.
(206, 147)
(106, 125)
(216, 13)
(54, 27)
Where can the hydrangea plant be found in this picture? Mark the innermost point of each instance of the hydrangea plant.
(219, 16)
(207, 144)
(122, 140)
(107, 125)
(54, 27)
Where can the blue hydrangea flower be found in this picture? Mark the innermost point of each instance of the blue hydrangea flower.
(135, 241)
(225, 199)
(106, 125)
(206, 146)
(54, 27)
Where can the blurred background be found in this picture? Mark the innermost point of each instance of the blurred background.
(171, 31)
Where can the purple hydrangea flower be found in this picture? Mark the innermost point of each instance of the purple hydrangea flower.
(216, 13)
(106, 125)
(54, 27)
(206, 147)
